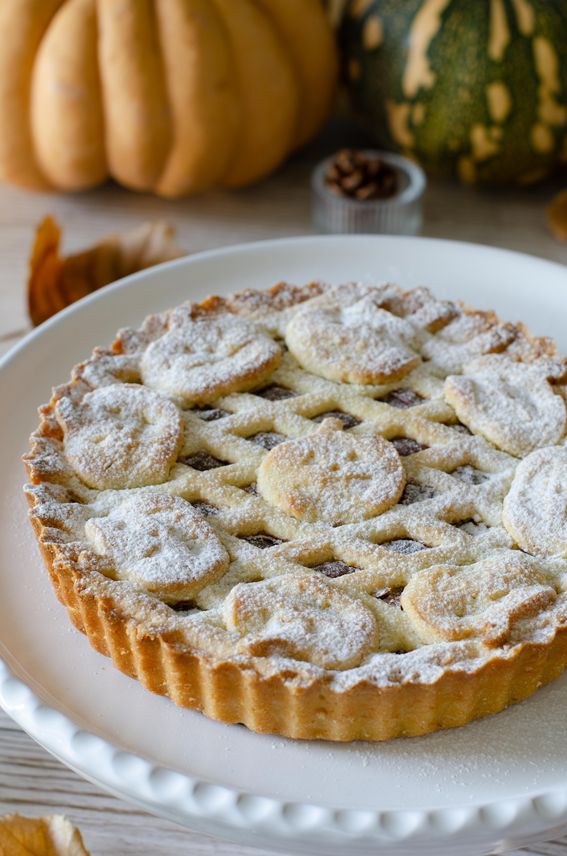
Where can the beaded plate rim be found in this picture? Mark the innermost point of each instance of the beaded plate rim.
(303, 827)
(255, 820)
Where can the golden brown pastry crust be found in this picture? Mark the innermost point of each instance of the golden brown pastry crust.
(273, 705)
(202, 669)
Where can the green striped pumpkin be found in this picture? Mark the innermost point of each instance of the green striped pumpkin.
(474, 88)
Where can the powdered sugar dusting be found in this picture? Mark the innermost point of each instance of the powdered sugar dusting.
(302, 617)
(535, 509)
(348, 337)
(200, 358)
(332, 476)
(160, 543)
(512, 404)
(482, 600)
(464, 339)
(328, 499)
(120, 436)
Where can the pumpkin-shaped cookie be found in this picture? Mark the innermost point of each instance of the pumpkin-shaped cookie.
(165, 96)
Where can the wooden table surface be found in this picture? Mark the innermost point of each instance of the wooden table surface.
(31, 781)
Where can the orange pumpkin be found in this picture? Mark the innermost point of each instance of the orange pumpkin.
(167, 96)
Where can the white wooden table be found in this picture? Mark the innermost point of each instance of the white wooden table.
(31, 781)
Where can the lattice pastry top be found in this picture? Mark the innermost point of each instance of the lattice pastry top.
(353, 482)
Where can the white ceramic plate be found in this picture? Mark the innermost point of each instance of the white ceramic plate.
(492, 785)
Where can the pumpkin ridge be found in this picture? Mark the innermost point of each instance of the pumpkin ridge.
(418, 72)
(137, 121)
(304, 31)
(525, 16)
(202, 93)
(66, 109)
(269, 94)
(267, 9)
(27, 23)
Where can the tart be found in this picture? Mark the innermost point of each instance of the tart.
(332, 512)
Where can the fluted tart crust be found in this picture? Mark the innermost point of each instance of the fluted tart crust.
(331, 512)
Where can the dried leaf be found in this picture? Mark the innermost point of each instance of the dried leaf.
(557, 216)
(56, 281)
(52, 835)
